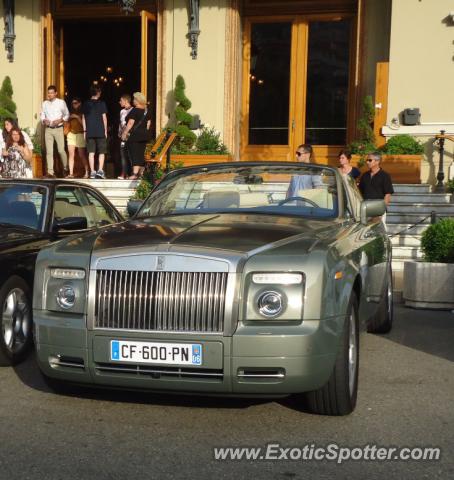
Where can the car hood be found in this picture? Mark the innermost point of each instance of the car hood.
(242, 233)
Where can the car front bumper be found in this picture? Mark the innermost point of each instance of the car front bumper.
(254, 361)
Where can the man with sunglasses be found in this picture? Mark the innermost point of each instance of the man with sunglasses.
(304, 154)
(376, 184)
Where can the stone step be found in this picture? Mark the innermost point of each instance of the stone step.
(403, 253)
(397, 228)
(407, 218)
(441, 209)
(432, 198)
(406, 241)
(412, 188)
(109, 183)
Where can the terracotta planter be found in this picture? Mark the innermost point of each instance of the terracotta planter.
(37, 165)
(402, 168)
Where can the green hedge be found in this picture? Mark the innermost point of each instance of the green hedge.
(437, 242)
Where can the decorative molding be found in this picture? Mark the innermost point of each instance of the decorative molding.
(161, 117)
(9, 35)
(423, 130)
(232, 77)
(194, 30)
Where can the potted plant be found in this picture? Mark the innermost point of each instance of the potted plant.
(402, 156)
(429, 284)
(191, 148)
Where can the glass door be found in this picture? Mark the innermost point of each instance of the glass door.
(296, 76)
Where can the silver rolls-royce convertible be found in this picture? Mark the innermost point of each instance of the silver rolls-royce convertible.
(245, 278)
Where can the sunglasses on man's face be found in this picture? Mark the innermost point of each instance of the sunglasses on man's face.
(370, 160)
(300, 153)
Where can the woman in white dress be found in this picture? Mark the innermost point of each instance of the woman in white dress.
(16, 163)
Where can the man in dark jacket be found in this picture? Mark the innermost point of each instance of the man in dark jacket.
(376, 184)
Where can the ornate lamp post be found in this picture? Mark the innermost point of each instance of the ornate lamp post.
(440, 142)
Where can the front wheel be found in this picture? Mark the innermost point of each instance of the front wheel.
(15, 321)
(382, 321)
(338, 395)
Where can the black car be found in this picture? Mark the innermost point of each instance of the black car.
(34, 213)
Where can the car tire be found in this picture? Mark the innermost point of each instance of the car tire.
(338, 395)
(382, 321)
(16, 321)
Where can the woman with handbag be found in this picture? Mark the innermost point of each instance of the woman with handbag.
(137, 133)
(75, 138)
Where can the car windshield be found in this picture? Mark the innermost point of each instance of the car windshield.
(292, 189)
(22, 205)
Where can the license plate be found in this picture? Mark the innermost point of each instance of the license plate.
(155, 352)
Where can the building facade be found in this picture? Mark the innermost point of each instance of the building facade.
(267, 74)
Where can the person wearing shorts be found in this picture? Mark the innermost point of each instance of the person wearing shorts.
(75, 138)
(95, 128)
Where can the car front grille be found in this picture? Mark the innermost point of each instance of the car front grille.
(160, 301)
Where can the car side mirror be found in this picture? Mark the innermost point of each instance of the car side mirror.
(133, 207)
(70, 223)
(372, 208)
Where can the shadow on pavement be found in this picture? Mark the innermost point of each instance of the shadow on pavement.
(29, 373)
(430, 331)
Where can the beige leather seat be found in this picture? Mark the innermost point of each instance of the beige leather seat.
(223, 199)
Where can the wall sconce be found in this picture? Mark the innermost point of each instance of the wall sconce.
(194, 31)
(9, 35)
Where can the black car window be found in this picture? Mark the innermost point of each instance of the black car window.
(22, 205)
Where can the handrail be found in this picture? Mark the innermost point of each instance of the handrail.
(167, 137)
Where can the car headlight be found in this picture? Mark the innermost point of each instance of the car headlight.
(66, 297)
(274, 296)
(67, 273)
(270, 304)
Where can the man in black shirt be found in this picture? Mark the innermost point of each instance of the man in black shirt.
(95, 128)
(376, 184)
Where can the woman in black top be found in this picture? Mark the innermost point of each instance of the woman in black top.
(137, 133)
(344, 160)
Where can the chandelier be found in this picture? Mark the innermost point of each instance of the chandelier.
(127, 6)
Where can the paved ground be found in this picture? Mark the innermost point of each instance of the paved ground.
(406, 399)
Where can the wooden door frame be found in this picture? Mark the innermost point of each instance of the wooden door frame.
(145, 17)
(298, 78)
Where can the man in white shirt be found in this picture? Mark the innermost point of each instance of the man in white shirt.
(54, 112)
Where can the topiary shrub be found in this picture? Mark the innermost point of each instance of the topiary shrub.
(7, 106)
(186, 138)
(403, 144)
(366, 139)
(437, 242)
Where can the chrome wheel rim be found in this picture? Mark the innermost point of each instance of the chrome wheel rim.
(352, 353)
(16, 320)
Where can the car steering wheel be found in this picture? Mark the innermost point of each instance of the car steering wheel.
(306, 200)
